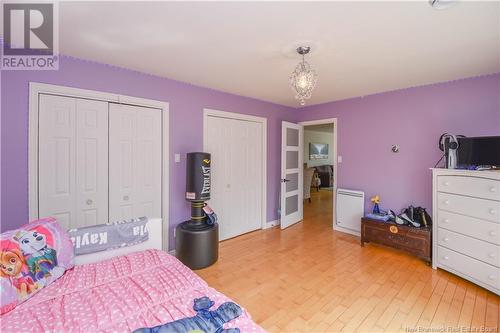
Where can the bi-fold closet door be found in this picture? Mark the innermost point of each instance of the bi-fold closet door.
(237, 174)
(97, 161)
(135, 162)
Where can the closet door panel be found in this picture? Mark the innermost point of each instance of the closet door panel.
(57, 159)
(149, 162)
(122, 147)
(92, 162)
(253, 175)
(236, 148)
(134, 162)
(73, 160)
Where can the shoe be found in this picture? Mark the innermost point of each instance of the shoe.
(409, 221)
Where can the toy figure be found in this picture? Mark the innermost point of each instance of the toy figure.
(205, 321)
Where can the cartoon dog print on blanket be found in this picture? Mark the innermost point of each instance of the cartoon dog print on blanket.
(41, 259)
(13, 267)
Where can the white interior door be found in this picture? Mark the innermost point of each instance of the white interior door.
(236, 153)
(135, 162)
(292, 171)
(73, 160)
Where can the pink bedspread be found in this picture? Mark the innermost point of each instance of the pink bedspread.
(142, 289)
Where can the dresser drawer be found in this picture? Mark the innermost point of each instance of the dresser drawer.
(470, 226)
(472, 247)
(471, 186)
(473, 268)
(480, 208)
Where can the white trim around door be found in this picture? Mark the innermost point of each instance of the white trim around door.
(238, 116)
(41, 88)
(334, 144)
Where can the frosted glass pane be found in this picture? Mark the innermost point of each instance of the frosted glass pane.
(292, 137)
(293, 183)
(292, 159)
(292, 204)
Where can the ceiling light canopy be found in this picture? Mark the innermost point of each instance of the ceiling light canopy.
(442, 4)
(303, 78)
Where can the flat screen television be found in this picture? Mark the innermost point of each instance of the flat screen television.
(484, 150)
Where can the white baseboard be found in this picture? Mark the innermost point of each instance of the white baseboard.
(271, 224)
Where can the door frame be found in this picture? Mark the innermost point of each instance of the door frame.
(334, 144)
(35, 89)
(239, 116)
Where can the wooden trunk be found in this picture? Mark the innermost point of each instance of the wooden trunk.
(416, 241)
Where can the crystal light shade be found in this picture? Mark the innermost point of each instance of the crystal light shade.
(303, 78)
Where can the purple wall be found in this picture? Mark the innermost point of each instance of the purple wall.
(186, 127)
(413, 118)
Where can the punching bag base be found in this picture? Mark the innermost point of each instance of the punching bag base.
(197, 245)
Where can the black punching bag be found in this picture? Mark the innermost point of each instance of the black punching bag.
(198, 177)
(196, 242)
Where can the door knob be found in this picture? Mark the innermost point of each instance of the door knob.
(89, 202)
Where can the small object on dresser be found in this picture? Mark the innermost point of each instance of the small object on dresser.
(375, 200)
(416, 241)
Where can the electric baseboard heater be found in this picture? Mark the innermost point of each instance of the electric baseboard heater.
(350, 208)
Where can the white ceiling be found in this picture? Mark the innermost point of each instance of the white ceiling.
(359, 48)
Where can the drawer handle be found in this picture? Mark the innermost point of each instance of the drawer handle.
(446, 257)
(491, 255)
(446, 202)
(89, 202)
(492, 233)
(493, 211)
(493, 189)
(446, 183)
(446, 239)
(491, 277)
(126, 197)
(446, 220)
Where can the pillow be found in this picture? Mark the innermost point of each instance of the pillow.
(31, 258)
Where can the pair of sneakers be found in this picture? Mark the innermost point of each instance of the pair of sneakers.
(403, 219)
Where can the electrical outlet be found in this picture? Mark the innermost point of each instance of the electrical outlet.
(339, 159)
(177, 158)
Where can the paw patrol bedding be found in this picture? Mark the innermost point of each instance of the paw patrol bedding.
(31, 258)
(121, 294)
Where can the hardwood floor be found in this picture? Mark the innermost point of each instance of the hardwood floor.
(309, 278)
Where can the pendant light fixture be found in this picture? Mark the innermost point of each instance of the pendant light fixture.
(303, 78)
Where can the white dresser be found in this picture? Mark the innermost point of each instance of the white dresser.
(466, 229)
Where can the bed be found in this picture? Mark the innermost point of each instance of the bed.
(119, 294)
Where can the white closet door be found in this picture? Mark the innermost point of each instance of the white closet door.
(236, 148)
(73, 160)
(134, 162)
